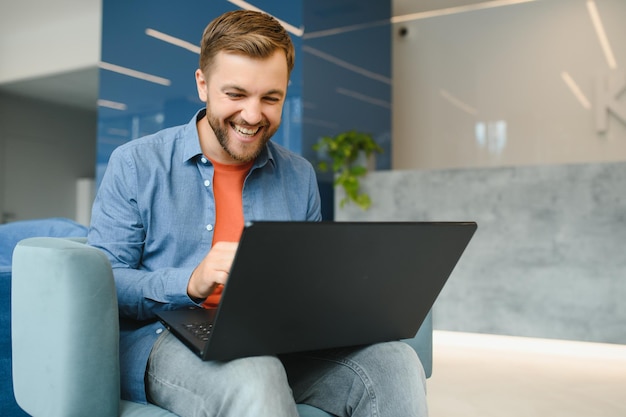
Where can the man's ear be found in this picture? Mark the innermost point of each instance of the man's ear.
(202, 86)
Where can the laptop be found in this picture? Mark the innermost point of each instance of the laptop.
(301, 286)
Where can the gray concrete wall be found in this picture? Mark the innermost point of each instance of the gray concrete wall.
(548, 259)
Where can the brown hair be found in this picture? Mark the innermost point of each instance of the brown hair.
(250, 33)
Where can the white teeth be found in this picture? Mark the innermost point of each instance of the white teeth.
(244, 131)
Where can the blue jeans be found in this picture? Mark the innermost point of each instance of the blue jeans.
(385, 379)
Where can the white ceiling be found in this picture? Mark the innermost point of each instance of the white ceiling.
(75, 89)
(24, 23)
(19, 15)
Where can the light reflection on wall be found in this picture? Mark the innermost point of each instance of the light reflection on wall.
(491, 136)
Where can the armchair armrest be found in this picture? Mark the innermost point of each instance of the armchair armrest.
(61, 292)
(423, 344)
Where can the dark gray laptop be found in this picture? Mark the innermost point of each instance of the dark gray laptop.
(298, 286)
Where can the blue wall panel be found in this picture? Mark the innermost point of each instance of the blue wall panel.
(347, 71)
(341, 81)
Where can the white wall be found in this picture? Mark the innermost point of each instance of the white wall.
(44, 150)
(485, 88)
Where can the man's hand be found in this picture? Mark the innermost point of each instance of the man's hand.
(212, 271)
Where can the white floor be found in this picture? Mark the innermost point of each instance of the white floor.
(483, 375)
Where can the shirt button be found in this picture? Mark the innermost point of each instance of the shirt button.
(207, 183)
(159, 331)
(209, 227)
(204, 160)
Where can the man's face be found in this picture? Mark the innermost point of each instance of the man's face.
(244, 98)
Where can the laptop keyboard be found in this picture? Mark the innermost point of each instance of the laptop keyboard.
(200, 330)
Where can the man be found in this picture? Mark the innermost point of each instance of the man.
(169, 213)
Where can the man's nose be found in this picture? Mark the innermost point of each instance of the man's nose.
(252, 112)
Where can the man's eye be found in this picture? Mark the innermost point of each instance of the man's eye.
(272, 99)
(234, 95)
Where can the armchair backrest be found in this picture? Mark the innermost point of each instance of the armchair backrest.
(61, 291)
(12, 233)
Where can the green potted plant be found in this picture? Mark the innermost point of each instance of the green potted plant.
(348, 153)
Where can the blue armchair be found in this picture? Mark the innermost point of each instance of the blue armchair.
(77, 344)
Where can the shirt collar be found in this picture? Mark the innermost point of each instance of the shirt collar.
(190, 137)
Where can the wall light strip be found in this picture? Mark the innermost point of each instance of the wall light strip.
(135, 74)
(346, 65)
(458, 102)
(112, 104)
(320, 123)
(113, 131)
(455, 10)
(344, 29)
(172, 40)
(531, 345)
(576, 90)
(363, 97)
(289, 28)
(599, 27)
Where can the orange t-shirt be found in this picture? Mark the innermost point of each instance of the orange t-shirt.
(227, 189)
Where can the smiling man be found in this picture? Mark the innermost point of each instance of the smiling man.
(169, 213)
(244, 104)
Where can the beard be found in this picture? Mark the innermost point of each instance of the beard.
(240, 152)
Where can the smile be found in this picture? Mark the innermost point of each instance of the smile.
(245, 131)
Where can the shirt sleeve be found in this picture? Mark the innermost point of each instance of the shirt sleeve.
(118, 229)
(315, 205)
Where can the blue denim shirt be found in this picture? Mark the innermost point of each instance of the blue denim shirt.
(153, 217)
